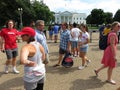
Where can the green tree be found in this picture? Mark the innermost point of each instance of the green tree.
(97, 16)
(117, 16)
(42, 12)
(30, 12)
(88, 19)
(108, 17)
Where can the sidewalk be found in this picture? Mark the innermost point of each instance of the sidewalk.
(61, 78)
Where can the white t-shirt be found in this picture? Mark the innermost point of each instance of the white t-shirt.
(84, 38)
(76, 33)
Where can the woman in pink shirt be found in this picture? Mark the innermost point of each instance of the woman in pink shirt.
(109, 56)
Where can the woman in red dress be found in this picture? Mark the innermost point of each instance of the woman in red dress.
(109, 56)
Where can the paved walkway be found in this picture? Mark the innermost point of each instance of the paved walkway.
(61, 78)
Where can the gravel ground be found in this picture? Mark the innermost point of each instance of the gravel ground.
(61, 78)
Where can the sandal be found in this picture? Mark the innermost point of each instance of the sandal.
(56, 65)
(96, 72)
(111, 82)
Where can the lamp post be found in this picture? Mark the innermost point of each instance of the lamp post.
(20, 12)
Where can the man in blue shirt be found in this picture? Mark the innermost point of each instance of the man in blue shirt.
(56, 31)
(64, 46)
(41, 38)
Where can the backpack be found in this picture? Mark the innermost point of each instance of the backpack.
(103, 42)
(67, 60)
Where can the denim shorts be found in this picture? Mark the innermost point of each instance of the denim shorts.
(84, 49)
(74, 44)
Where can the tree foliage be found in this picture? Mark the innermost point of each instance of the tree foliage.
(98, 16)
(117, 16)
(31, 11)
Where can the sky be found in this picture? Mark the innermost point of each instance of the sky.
(83, 6)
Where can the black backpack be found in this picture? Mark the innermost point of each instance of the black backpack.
(103, 41)
(67, 60)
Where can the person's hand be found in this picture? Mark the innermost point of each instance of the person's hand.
(31, 63)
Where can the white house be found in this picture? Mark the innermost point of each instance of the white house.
(70, 17)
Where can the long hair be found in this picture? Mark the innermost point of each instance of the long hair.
(84, 26)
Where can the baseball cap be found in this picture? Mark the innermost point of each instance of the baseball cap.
(28, 30)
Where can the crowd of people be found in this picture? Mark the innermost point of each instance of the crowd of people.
(34, 55)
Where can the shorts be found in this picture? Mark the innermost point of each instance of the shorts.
(84, 49)
(62, 51)
(11, 53)
(74, 44)
(31, 86)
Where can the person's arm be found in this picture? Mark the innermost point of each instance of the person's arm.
(24, 53)
(112, 43)
(2, 43)
(43, 52)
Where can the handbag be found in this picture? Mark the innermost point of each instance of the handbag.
(67, 60)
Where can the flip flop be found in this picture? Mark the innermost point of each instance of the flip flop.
(96, 72)
(111, 82)
(56, 65)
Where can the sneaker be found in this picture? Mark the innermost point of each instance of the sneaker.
(6, 70)
(81, 67)
(88, 62)
(15, 71)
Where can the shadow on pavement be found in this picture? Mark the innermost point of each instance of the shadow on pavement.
(91, 83)
(12, 84)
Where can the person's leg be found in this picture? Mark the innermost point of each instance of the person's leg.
(109, 78)
(61, 53)
(99, 69)
(15, 54)
(109, 72)
(82, 55)
(6, 68)
(83, 58)
(8, 61)
(60, 58)
(55, 40)
(39, 86)
(75, 49)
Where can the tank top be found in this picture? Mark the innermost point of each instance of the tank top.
(29, 75)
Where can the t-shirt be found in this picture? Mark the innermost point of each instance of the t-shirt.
(75, 34)
(56, 29)
(84, 37)
(9, 37)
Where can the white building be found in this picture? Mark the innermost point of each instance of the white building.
(70, 17)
